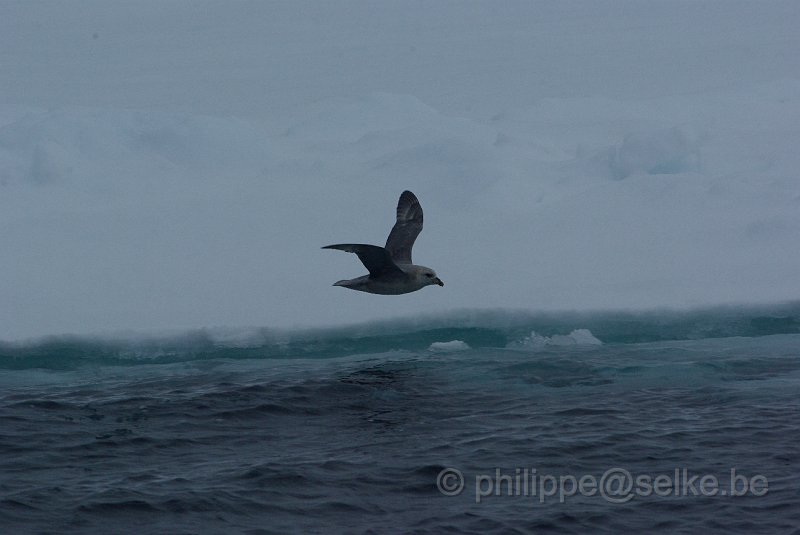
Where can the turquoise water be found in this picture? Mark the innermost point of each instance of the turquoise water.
(371, 428)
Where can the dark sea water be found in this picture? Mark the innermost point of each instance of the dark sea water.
(597, 423)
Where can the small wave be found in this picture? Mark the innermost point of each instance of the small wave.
(103, 507)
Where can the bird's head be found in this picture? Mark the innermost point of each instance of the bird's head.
(428, 276)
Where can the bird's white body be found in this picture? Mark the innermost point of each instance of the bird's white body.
(417, 277)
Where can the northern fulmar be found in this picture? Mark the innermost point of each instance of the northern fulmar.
(390, 269)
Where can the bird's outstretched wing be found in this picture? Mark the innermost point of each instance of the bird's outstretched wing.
(375, 259)
(406, 229)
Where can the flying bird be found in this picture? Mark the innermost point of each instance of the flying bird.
(390, 269)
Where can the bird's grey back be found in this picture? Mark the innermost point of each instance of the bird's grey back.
(406, 228)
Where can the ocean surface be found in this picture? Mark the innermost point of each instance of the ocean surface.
(471, 422)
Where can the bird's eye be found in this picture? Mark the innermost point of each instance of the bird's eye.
(429, 275)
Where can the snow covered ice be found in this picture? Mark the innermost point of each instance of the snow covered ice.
(159, 165)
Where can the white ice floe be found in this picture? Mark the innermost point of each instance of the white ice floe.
(447, 347)
(578, 337)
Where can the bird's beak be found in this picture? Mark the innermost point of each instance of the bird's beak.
(439, 281)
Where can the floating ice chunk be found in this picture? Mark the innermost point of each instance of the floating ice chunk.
(453, 345)
(582, 337)
(578, 337)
